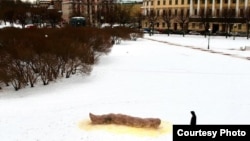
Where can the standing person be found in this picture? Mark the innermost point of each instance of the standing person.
(193, 118)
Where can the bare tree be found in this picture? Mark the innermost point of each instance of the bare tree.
(21, 12)
(122, 13)
(183, 19)
(7, 12)
(14, 10)
(53, 16)
(76, 8)
(152, 17)
(247, 18)
(167, 18)
(205, 20)
(228, 19)
(137, 18)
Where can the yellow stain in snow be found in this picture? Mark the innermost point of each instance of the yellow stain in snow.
(164, 128)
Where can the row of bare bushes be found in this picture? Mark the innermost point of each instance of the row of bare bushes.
(29, 56)
(123, 32)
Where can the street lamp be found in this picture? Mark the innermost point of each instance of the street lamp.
(209, 30)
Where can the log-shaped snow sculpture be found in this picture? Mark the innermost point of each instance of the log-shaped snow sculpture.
(127, 120)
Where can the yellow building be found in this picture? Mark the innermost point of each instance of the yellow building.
(199, 15)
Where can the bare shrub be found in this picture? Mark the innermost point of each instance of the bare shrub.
(31, 55)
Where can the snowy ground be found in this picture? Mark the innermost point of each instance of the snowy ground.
(3, 25)
(220, 44)
(142, 78)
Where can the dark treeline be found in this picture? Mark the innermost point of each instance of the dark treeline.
(28, 56)
(16, 11)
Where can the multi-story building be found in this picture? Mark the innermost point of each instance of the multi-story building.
(90, 9)
(215, 15)
(57, 4)
(96, 12)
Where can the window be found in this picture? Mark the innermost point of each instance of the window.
(200, 25)
(202, 12)
(158, 2)
(217, 12)
(158, 12)
(164, 12)
(152, 11)
(157, 24)
(218, 1)
(182, 2)
(210, 11)
(193, 25)
(239, 26)
(152, 2)
(164, 2)
(176, 2)
(233, 12)
(163, 24)
(170, 2)
(182, 12)
(241, 13)
(226, 1)
(234, 1)
(175, 26)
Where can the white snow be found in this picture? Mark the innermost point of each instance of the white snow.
(142, 78)
(7, 24)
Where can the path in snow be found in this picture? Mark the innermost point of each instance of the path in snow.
(202, 49)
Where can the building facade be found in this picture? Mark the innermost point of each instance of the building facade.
(199, 15)
(57, 4)
(90, 9)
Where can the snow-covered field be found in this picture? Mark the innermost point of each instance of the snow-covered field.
(142, 78)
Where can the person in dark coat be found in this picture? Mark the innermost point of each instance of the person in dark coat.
(193, 118)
